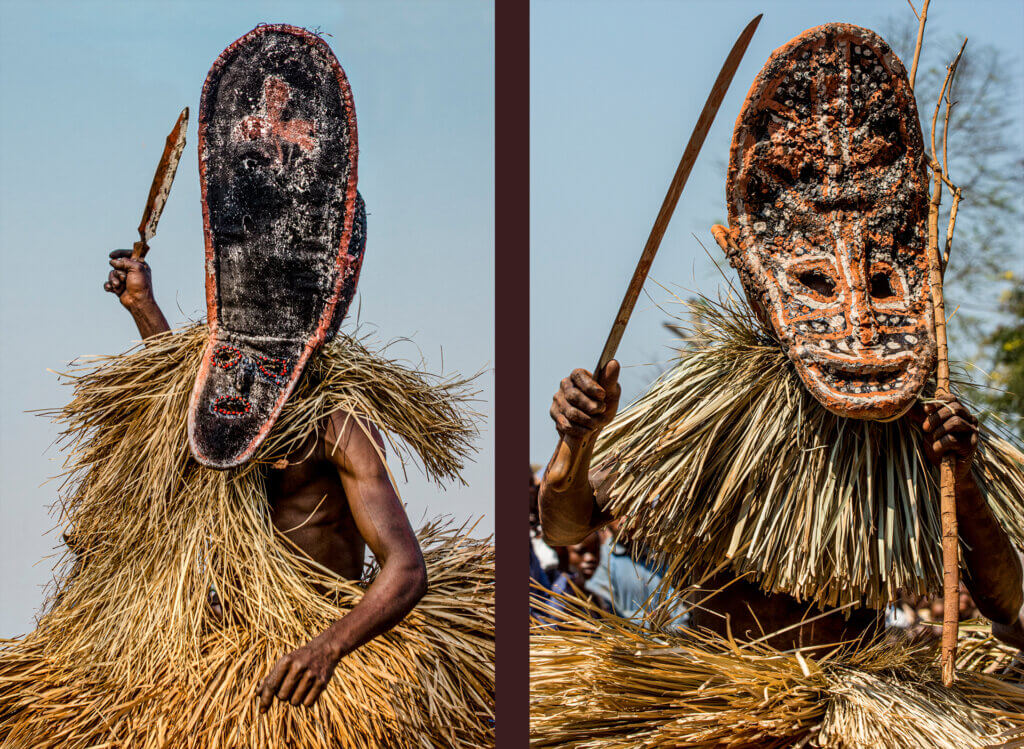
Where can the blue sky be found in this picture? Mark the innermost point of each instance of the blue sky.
(615, 91)
(90, 90)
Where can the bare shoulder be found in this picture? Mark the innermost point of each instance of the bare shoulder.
(352, 442)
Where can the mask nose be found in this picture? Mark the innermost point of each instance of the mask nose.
(867, 327)
(861, 307)
(244, 376)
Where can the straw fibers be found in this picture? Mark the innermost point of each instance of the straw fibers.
(728, 458)
(604, 681)
(131, 654)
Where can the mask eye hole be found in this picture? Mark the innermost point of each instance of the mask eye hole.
(808, 174)
(881, 288)
(817, 282)
(275, 369)
(226, 356)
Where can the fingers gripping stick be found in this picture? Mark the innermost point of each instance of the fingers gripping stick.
(583, 405)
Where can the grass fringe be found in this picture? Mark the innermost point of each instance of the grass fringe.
(130, 653)
(728, 459)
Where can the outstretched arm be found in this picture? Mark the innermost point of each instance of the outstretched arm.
(132, 282)
(993, 571)
(352, 446)
(571, 509)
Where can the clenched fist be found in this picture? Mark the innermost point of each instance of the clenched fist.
(583, 405)
(131, 280)
(949, 428)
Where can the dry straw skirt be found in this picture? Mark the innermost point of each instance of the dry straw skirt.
(603, 682)
(129, 653)
(728, 464)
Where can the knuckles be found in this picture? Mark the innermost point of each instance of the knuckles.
(580, 405)
(958, 423)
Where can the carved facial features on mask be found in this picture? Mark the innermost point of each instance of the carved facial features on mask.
(827, 197)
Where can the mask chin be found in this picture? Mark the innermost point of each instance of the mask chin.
(868, 395)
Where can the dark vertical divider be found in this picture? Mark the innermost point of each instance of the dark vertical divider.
(512, 360)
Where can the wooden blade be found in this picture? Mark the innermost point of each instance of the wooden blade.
(563, 465)
(675, 189)
(161, 187)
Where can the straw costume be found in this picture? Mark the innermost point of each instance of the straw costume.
(774, 450)
(170, 450)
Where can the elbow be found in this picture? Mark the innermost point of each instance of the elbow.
(1005, 610)
(403, 581)
(417, 581)
(563, 536)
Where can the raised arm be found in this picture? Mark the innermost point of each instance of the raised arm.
(352, 447)
(992, 567)
(571, 509)
(132, 282)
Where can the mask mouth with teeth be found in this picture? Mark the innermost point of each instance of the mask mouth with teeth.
(284, 229)
(827, 197)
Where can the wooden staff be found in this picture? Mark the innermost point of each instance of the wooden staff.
(947, 478)
(937, 267)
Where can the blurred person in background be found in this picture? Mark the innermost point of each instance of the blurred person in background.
(578, 563)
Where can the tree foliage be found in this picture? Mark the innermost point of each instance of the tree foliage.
(1006, 343)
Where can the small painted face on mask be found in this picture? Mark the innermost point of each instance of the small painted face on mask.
(827, 210)
(242, 386)
(243, 371)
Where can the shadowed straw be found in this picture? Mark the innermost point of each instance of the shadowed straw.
(602, 681)
(130, 652)
(728, 458)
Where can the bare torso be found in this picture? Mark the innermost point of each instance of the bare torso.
(309, 507)
(333, 503)
(751, 614)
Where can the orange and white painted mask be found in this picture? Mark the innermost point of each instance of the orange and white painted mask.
(828, 205)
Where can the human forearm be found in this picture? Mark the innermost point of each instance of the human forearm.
(570, 500)
(302, 675)
(570, 511)
(149, 318)
(398, 587)
(994, 576)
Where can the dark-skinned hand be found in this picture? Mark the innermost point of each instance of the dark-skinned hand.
(301, 676)
(584, 405)
(949, 428)
(131, 280)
